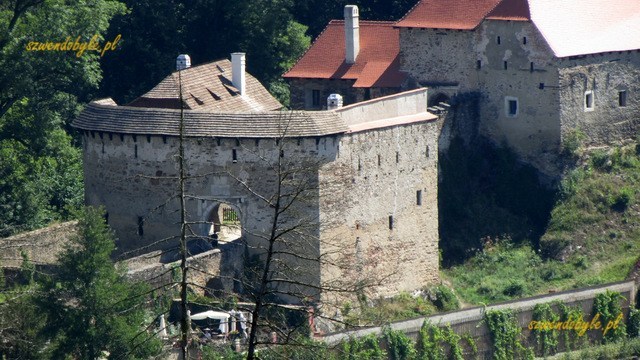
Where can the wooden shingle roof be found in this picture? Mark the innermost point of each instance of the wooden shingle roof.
(104, 116)
(208, 87)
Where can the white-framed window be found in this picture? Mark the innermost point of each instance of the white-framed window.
(589, 100)
(511, 106)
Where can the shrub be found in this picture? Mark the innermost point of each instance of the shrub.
(633, 323)
(621, 200)
(514, 289)
(445, 299)
(573, 142)
(600, 160)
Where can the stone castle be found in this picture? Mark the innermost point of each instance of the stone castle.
(539, 71)
(542, 69)
(355, 185)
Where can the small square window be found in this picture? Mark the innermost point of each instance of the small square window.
(622, 98)
(588, 101)
(511, 106)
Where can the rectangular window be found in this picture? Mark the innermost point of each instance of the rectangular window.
(498, 40)
(427, 151)
(315, 97)
(234, 155)
(622, 98)
(588, 101)
(531, 66)
(511, 106)
(140, 225)
(479, 64)
(524, 40)
(505, 65)
(379, 160)
(397, 157)
(135, 151)
(419, 197)
(390, 222)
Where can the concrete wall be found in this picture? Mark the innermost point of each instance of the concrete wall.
(469, 321)
(605, 75)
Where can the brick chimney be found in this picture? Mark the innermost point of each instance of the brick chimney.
(351, 33)
(239, 78)
(183, 62)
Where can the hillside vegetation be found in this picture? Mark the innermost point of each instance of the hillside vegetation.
(592, 236)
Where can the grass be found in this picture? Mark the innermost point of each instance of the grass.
(593, 237)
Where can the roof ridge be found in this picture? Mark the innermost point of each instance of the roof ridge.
(409, 12)
(309, 48)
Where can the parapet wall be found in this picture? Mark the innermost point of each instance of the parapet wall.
(388, 107)
(470, 321)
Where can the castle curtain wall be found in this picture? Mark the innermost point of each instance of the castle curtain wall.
(608, 77)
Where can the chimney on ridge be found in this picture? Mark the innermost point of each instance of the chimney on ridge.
(183, 62)
(351, 33)
(334, 101)
(238, 76)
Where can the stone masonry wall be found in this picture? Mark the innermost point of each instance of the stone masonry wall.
(519, 67)
(605, 75)
(370, 212)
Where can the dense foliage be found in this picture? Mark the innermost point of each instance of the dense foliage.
(40, 93)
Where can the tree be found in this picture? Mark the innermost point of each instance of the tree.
(40, 93)
(207, 30)
(89, 305)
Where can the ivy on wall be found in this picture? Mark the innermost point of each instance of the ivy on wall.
(506, 335)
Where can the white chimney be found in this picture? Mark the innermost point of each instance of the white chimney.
(334, 101)
(183, 62)
(352, 32)
(239, 78)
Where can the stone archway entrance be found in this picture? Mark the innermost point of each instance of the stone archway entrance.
(223, 223)
(437, 99)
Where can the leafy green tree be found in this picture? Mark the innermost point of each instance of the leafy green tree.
(90, 307)
(40, 93)
(155, 33)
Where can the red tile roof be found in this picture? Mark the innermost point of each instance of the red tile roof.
(448, 14)
(377, 64)
(514, 10)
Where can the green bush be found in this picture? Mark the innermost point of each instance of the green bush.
(633, 323)
(514, 289)
(600, 160)
(573, 142)
(621, 200)
(445, 299)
